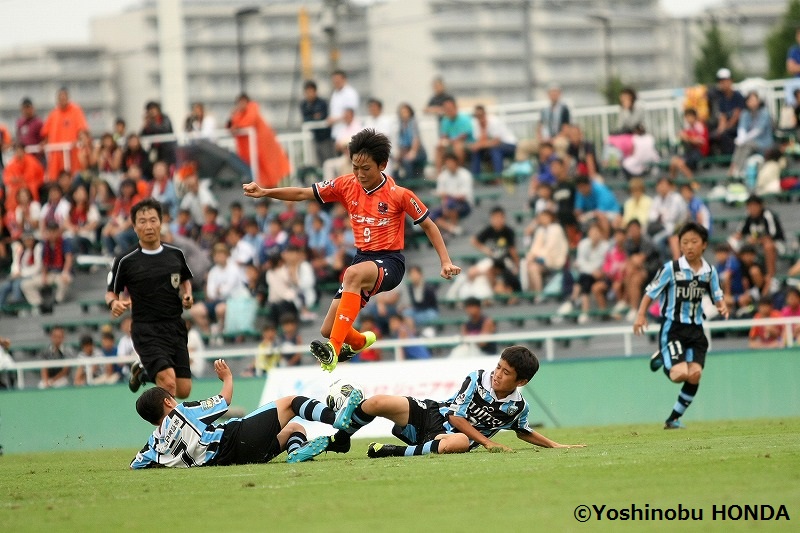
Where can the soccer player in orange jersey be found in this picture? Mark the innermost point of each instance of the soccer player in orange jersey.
(377, 207)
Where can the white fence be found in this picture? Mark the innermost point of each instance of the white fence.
(548, 337)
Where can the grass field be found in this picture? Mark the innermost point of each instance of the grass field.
(723, 463)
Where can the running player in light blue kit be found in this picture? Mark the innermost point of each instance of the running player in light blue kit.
(486, 403)
(682, 344)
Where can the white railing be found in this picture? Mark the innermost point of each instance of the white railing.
(547, 337)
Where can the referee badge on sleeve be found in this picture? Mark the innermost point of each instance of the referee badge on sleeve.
(175, 279)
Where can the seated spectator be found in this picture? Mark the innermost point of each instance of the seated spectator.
(667, 212)
(644, 154)
(547, 254)
(753, 135)
(377, 121)
(727, 105)
(546, 156)
(613, 274)
(491, 139)
(162, 188)
(762, 337)
(107, 158)
(792, 310)
(731, 278)
(768, 179)
(410, 153)
(642, 264)
(195, 196)
(184, 226)
(83, 221)
(88, 374)
(454, 187)
(223, 279)
(421, 303)
(695, 144)
(297, 237)
(291, 285)
(211, 231)
(242, 252)
(26, 264)
(22, 170)
(263, 216)
(631, 113)
(595, 201)
(268, 352)
(697, 211)
(56, 350)
(108, 347)
(637, 206)
(762, 228)
(57, 261)
(275, 240)
(56, 209)
(403, 328)
(290, 336)
(553, 117)
(236, 218)
(455, 132)
(497, 242)
(25, 218)
(118, 234)
(589, 260)
(479, 324)
(6, 256)
(757, 283)
(136, 156)
(581, 152)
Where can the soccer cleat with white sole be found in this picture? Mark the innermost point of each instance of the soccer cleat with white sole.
(309, 450)
(344, 418)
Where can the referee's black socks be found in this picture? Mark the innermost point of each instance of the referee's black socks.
(685, 398)
(310, 409)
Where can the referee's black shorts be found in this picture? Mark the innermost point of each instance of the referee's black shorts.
(162, 345)
(425, 422)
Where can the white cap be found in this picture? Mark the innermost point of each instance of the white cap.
(723, 74)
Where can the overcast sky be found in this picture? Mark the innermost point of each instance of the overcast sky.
(67, 21)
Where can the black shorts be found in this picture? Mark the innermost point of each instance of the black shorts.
(585, 281)
(391, 269)
(162, 345)
(252, 439)
(425, 422)
(682, 343)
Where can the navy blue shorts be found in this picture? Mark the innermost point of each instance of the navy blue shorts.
(682, 343)
(391, 269)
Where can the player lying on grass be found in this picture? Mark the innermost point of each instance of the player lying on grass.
(184, 435)
(486, 403)
(377, 207)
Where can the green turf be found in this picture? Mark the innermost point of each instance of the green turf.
(740, 462)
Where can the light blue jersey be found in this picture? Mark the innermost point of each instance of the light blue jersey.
(476, 402)
(682, 290)
(185, 437)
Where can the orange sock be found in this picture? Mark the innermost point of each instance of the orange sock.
(346, 314)
(355, 339)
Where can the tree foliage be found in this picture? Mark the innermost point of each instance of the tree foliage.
(715, 52)
(781, 39)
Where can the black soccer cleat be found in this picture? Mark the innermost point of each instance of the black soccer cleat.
(377, 450)
(325, 354)
(340, 445)
(137, 376)
(656, 361)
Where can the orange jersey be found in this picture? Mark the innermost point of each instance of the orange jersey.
(377, 216)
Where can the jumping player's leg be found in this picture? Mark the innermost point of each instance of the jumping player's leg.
(178, 387)
(357, 278)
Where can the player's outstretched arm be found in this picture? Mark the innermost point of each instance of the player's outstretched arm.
(291, 194)
(640, 324)
(226, 376)
(463, 426)
(435, 236)
(537, 439)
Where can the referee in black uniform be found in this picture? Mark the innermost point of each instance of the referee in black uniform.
(155, 275)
